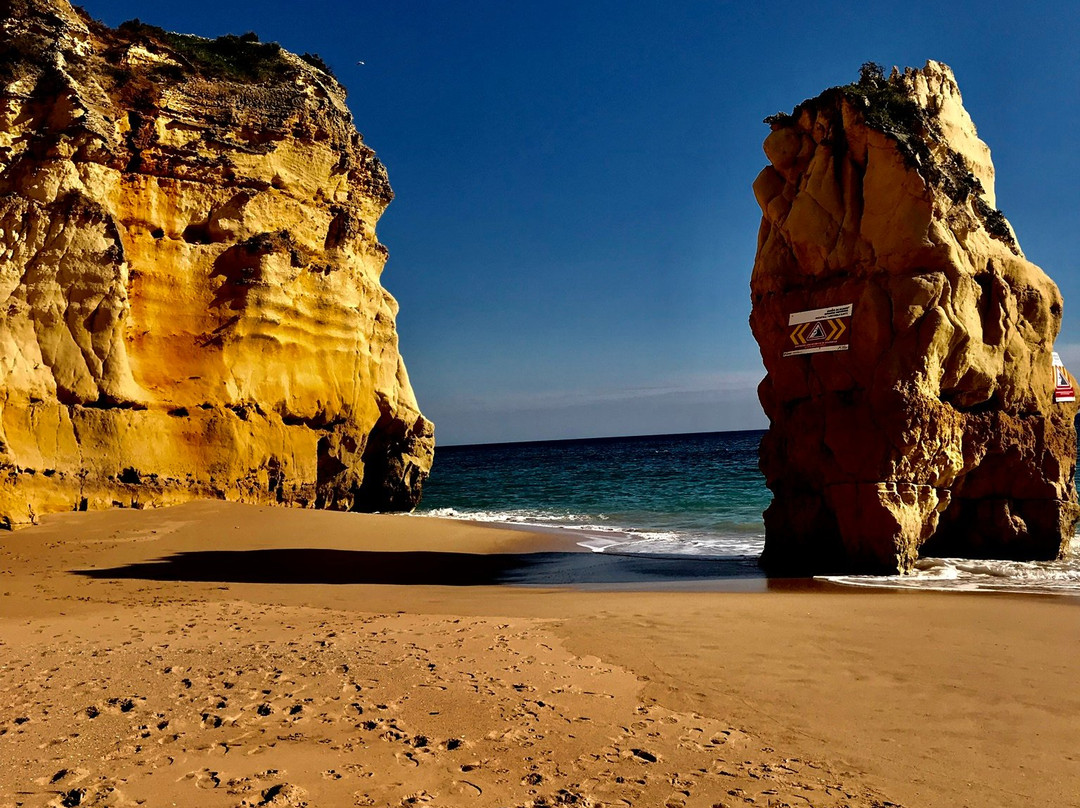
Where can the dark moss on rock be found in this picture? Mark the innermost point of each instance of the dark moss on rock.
(239, 58)
(888, 109)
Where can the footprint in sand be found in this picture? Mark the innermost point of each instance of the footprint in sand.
(64, 777)
(205, 779)
(643, 755)
(407, 759)
(466, 788)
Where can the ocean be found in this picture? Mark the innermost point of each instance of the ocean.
(671, 496)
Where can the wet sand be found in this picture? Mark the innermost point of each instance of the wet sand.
(220, 654)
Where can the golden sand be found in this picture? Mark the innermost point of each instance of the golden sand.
(218, 655)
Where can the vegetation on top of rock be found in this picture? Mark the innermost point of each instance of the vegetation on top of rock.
(779, 119)
(317, 62)
(885, 105)
(887, 108)
(240, 58)
(230, 57)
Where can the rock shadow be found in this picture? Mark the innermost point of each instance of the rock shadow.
(326, 566)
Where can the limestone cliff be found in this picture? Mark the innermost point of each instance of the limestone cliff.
(190, 277)
(922, 419)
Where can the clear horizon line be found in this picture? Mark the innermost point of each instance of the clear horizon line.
(596, 438)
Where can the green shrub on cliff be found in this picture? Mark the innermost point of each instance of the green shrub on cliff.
(239, 58)
(887, 107)
(317, 62)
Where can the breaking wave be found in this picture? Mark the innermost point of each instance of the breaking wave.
(979, 575)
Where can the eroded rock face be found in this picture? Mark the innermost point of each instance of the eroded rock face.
(190, 278)
(929, 424)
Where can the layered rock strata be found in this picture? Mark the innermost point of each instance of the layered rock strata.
(908, 341)
(190, 278)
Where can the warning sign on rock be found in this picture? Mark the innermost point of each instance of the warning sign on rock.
(1063, 387)
(819, 330)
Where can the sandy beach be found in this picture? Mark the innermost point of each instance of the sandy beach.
(215, 654)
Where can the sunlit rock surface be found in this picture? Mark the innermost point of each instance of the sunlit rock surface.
(190, 278)
(936, 430)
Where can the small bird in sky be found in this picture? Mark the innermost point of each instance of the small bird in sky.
(359, 63)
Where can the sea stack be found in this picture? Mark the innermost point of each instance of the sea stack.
(190, 278)
(914, 403)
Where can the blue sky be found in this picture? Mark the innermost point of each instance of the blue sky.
(574, 229)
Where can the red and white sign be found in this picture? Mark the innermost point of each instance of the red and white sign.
(1063, 388)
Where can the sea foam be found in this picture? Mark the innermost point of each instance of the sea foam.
(1060, 577)
(938, 574)
(670, 496)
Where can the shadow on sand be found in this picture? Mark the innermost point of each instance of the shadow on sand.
(320, 566)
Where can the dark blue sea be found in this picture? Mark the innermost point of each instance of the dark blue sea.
(667, 495)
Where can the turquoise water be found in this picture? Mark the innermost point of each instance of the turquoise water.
(670, 495)
(661, 494)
